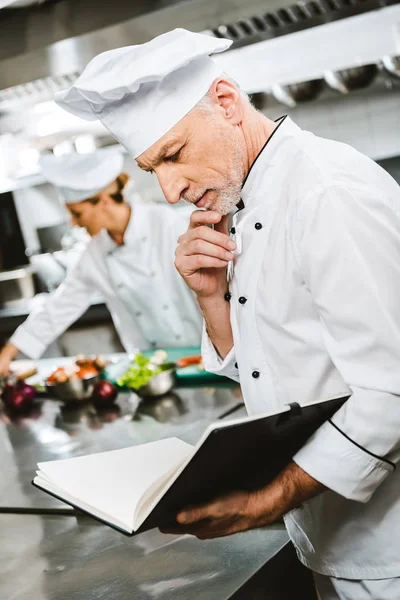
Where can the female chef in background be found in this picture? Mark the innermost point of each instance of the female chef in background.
(129, 260)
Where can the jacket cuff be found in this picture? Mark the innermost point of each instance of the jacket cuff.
(340, 464)
(27, 344)
(213, 363)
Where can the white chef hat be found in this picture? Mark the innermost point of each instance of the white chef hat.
(140, 92)
(81, 176)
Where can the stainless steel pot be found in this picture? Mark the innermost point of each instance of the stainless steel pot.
(293, 94)
(349, 80)
(16, 286)
(74, 390)
(391, 66)
(159, 384)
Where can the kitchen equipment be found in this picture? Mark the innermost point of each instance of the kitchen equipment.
(50, 236)
(293, 94)
(391, 66)
(16, 286)
(76, 389)
(348, 80)
(191, 375)
(159, 384)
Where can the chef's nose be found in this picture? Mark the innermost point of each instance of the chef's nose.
(172, 183)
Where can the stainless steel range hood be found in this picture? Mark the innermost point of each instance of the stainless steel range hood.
(51, 66)
(70, 54)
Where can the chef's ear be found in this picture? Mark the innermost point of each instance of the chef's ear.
(227, 95)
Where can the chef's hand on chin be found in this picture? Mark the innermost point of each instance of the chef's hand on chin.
(240, 511)
(203, 253)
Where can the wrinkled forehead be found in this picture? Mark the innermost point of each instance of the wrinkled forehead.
(169, 143)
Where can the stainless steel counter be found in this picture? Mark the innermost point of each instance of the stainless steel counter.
(57, 558)
(52, 431)
(51, 557)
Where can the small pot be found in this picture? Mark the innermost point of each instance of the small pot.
(349, 80)
(74, 390)
(296, 93)
(159, 384)
(391, 66)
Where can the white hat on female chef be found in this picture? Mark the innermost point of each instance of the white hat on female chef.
(81, 176)
(140, 92)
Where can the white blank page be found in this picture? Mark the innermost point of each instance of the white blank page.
(113, 482)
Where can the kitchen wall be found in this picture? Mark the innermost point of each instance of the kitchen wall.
(368, 120)
(37, 207)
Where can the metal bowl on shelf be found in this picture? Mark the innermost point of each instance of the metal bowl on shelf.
(74, 390)
(391, 66)
(296, 93)
(354, 78)
(159, 384)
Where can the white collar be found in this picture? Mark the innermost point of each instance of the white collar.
(286, 128)
(133, 233)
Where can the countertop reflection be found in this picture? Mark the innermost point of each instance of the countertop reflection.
(58, 558)
(52, 431)
(48, 557)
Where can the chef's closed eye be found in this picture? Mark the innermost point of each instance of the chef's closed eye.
(173, 157)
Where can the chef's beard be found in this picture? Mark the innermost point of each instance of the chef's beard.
(228, 198)
(229, 191)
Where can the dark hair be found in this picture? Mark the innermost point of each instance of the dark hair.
(117, 196)
(121, 180)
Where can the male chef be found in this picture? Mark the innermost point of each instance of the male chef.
(128, 261)
(300, 302)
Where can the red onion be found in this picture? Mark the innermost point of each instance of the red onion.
(19, 396)
(104, 393)
(28, 390)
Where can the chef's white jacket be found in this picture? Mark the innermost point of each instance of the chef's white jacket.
(315, 314)
(149, 302)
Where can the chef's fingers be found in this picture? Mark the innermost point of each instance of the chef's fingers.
(191, 264)
(196, 247)
(204, 217)
(194, 514)
(222, 225)
(209, 235)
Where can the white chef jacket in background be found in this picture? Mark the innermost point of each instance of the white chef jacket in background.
(315, 314)
(149, 302)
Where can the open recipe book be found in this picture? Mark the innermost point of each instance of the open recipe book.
(141, 487)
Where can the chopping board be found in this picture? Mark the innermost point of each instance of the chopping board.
(187, 376)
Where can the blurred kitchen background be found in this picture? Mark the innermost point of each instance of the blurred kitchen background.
(333, 65)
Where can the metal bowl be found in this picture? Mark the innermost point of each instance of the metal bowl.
(159, 384)
(165, 408)
(296, 93)
(354, 78)
(391, 66)
(73, 390)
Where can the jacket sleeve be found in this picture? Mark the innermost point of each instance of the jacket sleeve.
(60, 310)
(349, 253)
(213, 363)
